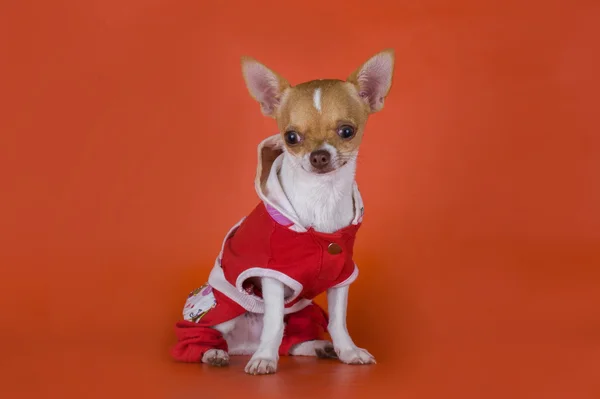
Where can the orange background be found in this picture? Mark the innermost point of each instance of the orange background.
(127, 150)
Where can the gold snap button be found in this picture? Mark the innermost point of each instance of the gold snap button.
(334, 249)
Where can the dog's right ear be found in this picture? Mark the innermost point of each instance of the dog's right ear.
(264, 85)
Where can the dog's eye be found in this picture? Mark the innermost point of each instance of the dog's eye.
(346, 132)
(292, 137)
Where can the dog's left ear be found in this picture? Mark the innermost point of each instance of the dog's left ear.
(264, 85)
(373, 79)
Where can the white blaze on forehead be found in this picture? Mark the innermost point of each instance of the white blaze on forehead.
(317, 99)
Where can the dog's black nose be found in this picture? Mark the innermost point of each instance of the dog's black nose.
(320, 159)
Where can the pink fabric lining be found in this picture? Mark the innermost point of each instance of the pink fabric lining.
(278, 217)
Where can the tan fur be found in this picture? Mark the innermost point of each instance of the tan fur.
(341, 104)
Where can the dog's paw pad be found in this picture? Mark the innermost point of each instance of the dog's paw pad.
(260, 366)
(355, 356)
(216, 357)
(326, 352)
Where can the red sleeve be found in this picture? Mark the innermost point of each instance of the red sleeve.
(193, 340)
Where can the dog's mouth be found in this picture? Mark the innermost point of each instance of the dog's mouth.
(316, 171)
(325, 171)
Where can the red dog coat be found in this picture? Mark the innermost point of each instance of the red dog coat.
(269, 242)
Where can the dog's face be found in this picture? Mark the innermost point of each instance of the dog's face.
(322, 121)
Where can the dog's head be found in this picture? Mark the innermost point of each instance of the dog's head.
(322, 121)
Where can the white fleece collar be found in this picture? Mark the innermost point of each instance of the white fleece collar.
(268, 187)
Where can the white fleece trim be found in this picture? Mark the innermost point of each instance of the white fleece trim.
(251, 303)
(276, 196)
(274, 274)
(350, 278)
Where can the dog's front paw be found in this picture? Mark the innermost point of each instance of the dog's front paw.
(216, 357)
(261, 365)
(355, 355)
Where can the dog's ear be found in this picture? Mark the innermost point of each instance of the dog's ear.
(373, 79)
(264, 85)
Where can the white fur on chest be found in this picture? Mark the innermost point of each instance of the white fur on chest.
(323, 202)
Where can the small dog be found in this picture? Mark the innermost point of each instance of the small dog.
(298, 242)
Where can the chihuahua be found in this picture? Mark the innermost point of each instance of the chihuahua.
(298, 242)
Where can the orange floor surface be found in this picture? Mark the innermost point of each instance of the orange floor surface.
(128, 148)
